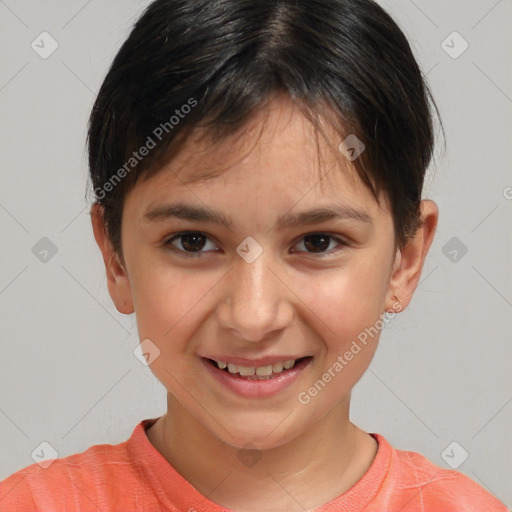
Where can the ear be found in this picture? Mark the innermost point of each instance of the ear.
(409, 260)
(117, 277)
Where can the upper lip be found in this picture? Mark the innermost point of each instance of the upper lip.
(262, 361)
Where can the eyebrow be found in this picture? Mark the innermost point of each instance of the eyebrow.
(205, 214)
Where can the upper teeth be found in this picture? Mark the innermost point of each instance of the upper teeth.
(260, 370)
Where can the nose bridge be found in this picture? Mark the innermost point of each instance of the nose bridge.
(255, 301)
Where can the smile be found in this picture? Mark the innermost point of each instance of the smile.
(261, 379)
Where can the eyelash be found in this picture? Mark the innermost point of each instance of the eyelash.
(185, 254)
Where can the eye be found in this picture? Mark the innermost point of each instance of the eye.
(318, 243)
(188, 244)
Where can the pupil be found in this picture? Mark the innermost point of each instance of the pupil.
(194, 246)
(322, 242)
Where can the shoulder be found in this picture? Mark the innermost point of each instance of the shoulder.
(416, 483)
(49, 486)
(70, 482)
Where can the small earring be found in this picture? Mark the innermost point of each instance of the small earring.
(396, 298)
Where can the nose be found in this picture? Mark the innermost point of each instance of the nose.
(255, 302)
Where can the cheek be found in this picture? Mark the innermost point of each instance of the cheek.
(346, 302)
(166, 303)
(346, 308)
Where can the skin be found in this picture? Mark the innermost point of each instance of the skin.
(289, 301)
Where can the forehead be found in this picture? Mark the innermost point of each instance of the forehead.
(278, 149)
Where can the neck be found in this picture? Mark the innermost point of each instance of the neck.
(306, 472)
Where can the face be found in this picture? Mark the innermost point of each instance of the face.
(280, 280)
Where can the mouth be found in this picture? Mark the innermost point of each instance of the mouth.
(257, 379)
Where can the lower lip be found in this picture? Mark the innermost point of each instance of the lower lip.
(257, 388)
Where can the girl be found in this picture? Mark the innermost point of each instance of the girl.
(258, 170)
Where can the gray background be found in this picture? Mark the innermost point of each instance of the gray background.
(68, 374)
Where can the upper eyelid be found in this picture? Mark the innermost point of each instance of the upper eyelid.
(195, 232)
(167, 239)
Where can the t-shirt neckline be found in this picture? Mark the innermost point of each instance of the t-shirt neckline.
(176, 493)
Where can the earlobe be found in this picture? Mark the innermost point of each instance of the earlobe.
(117, 277)
(409, 263)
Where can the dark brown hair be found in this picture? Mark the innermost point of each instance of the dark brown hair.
(215, 63)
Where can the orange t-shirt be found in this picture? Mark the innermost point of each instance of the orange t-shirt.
(134, 476)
